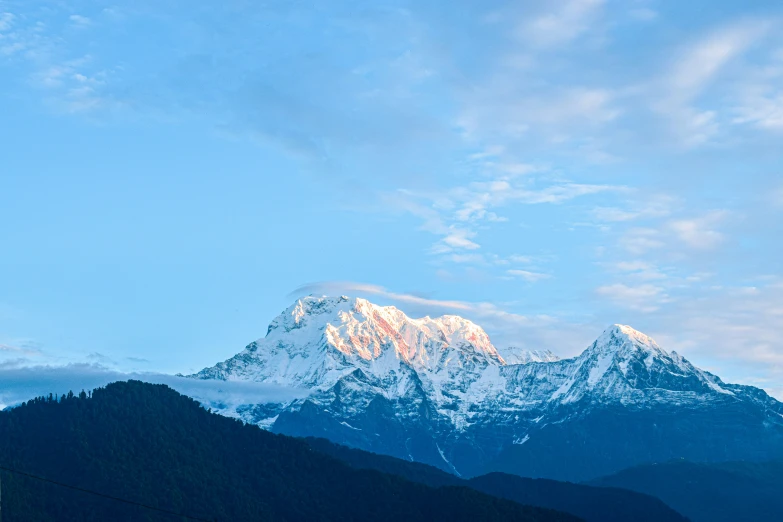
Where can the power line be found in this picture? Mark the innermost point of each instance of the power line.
(96, 493)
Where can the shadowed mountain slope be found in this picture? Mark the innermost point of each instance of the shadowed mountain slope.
(593, 504)
(721, 492)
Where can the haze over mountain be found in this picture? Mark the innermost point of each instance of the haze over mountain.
(436, 390)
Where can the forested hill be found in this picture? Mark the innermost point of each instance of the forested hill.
(149, 444)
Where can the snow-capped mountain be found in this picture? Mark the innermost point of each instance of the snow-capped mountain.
(436, 390)
(318, 341)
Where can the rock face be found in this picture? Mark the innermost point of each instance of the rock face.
(436, 390)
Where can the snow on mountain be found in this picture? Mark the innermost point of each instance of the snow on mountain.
(623, 366)
(320, 341)
(436, 389)
(513, 355)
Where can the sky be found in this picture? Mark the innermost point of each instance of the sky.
(174, 174)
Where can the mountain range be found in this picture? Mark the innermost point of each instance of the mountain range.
(437, 391)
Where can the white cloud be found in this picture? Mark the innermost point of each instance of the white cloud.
(763, 110)
(454, 214)
(72, 89)
(24, 349)
(644, 298)
(736, 330)
(79, 20)
(699, 233)
(760, 99)
(457, 239)
(497, 193)
(700, 63)
(692, 73)
(364, 289)
(696, 233)
(530, 277)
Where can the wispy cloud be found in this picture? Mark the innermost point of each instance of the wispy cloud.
(80, 20)
(352, 288)
(455, 214)
(696, 233)
(456, 239)
(700, 232)
(764, 111)
(504, 327)
(695, 68)
(704, 59)
(562, 22)
(644, 298)
(738, 328)
(24, 349)
(527, 275)
(760, 99)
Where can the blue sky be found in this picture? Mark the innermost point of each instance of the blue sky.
(173, 174)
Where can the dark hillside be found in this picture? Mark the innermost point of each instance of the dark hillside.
(149, 444)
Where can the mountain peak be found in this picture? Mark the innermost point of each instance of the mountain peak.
(623, 338)
(315, 312)
(319, 339)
